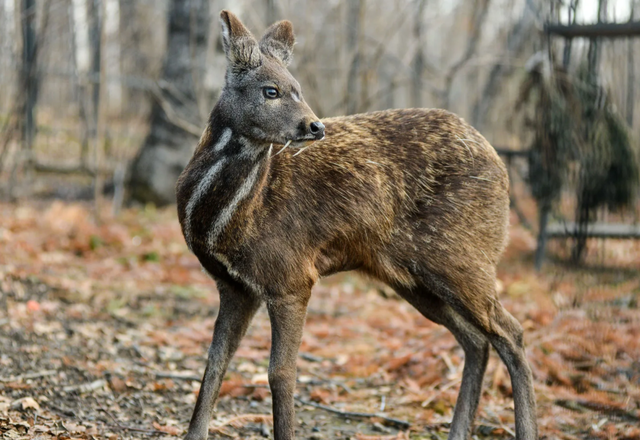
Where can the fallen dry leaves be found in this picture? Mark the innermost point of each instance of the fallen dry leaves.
(104, 329)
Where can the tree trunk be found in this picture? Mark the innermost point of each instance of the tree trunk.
(631, 63)
(479, 16)
(28, 94)
(418, 60)
(95, 42)
(82, 64)
(273, 12)
(112, 56)
(355, 9)
(174, 116)
(30, 75)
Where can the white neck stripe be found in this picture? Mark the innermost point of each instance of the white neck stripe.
(226, 214)
(205, 184)
(200, 191)
(224, 139)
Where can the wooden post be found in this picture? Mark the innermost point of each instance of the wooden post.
(543, 221)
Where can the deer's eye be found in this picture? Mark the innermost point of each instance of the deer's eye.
(270, 92)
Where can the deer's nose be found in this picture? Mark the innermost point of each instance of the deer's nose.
(317, 129)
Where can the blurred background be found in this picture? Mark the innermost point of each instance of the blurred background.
(102, 103)
(109, 97)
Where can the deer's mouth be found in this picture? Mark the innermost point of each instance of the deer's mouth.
(299, 144)
(304, 141)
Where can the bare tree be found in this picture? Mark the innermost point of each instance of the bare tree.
(418, 60)
(355, 11)
(518, 40)
(479, 16)
(95, 42)
(175, 116)
(631, 74)
(29, 85)
(30, 77)
(273, 12)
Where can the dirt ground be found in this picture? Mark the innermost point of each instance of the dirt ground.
(104, 327)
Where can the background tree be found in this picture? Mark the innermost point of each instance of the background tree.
(175, 117)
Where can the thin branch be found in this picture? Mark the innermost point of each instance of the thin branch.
(480, 15)
(177, 376)
(29, 376)
(132, 429)
(396, 422)
(173, 117)
(86, 387)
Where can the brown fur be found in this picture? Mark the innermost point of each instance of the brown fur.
(416, 198)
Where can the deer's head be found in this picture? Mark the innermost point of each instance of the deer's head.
(261, 100)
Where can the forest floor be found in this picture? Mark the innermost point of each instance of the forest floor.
(104, 328)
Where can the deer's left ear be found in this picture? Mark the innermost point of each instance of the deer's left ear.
(278, 41)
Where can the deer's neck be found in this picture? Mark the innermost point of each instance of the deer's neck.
(223, 180)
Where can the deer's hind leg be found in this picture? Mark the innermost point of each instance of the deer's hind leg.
(473, 299)
(506, 336)
(476, 350)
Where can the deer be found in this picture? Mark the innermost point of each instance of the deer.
(274, 198)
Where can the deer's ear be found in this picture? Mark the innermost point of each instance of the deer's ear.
(278, 41)
(239, 45)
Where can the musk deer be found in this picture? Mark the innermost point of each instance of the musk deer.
(415, 198)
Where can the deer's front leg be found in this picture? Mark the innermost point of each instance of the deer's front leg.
(237, 307)
(287, 320)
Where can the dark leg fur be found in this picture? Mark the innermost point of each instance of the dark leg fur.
(507, 338)
(438, 302)
(237, 308)
(476, 349)
(287, 320)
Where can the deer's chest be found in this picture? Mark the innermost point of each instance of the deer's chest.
(217, 196)
(215, 203)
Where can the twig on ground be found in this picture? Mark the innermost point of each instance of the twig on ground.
(133, 429)
(27, 376)
(66, 412)
(104, 410)
(163, 375)
(86, 387)
(440, 390)
(396, 422)
(239, 422)
(178, 376)
(498, 424)
(609, 410)
(310, 357)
